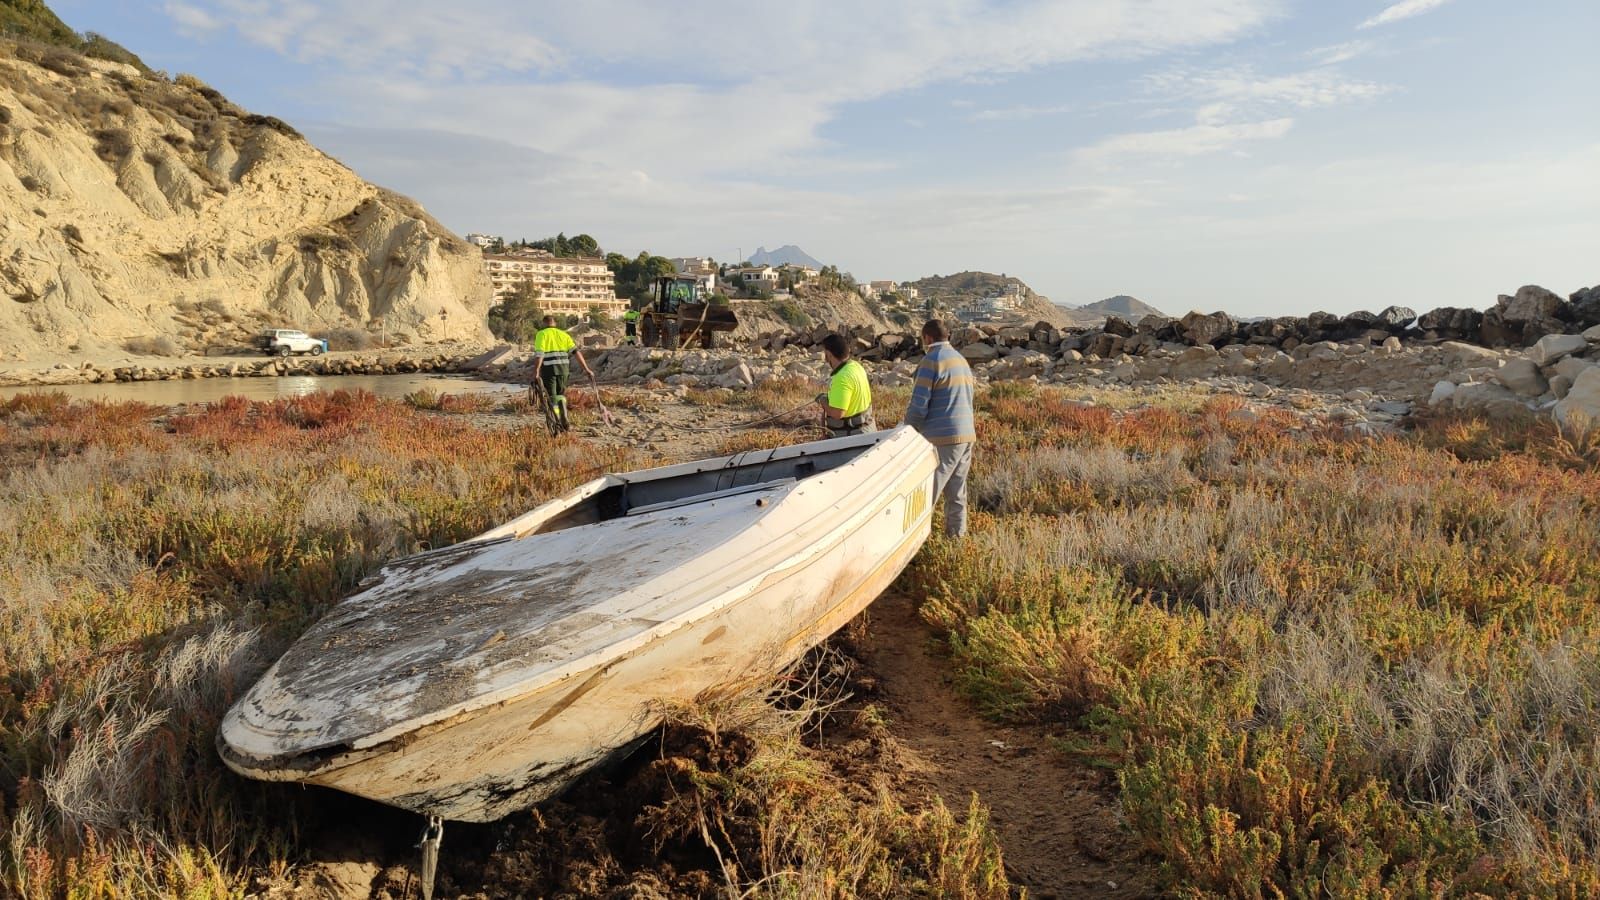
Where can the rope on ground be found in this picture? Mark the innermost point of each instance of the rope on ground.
(752, 424)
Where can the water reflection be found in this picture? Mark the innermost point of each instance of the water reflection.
(208, 390)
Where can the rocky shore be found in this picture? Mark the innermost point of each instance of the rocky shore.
(435, 358)
(1532, 351)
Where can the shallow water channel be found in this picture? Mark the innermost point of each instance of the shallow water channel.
(207, 390)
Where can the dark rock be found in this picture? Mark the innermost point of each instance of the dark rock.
(1105, 345)
(1155, 325)
(1200, 328)
(1118, 326)
(1585, 305)
(1450, 323)
(1361, 320)
(1396, 318)
(1495, 331)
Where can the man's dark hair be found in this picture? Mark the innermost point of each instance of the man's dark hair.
(837, 345)
(934, 331)
(549, 321)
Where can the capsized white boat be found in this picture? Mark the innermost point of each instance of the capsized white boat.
(478, 679)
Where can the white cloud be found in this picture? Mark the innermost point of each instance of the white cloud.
(682, 89)
(1405, 9)
(1341, 53)
(1020, 113)
(1196, 140)
(1243, 87)
(191, 19)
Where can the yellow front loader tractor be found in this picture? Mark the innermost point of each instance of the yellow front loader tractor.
(677, 315)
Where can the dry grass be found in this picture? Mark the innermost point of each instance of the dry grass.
(782, 824)
(1322, 665)
(160, 569)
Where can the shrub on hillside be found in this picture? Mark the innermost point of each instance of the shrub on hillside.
(113, 144)
(790, 312)
(152, 345)
(348, 338)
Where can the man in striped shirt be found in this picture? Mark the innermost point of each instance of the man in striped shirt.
(941, 411)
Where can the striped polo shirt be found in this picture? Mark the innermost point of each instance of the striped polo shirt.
(941, 400)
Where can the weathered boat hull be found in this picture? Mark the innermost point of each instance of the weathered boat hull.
(486, 761)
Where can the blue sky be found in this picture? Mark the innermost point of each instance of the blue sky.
(1267, 157)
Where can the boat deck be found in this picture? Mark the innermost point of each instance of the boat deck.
(443, 629)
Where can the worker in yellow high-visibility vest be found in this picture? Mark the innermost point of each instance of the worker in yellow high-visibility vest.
(630, 327)
(552, 349)
(848, 402)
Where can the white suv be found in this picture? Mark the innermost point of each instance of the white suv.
(284, 341)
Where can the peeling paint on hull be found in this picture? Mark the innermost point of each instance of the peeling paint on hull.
(535, 666)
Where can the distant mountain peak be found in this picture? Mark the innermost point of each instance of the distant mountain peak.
(1130, 308)
(788, 254)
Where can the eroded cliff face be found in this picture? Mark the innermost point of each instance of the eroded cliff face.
(139, 212)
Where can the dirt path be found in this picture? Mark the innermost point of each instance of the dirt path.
(1057, 822)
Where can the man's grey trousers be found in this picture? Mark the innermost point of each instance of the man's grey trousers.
(950, 483)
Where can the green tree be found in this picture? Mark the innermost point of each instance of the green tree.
(634, 276)
(584, 245)
(517, 316)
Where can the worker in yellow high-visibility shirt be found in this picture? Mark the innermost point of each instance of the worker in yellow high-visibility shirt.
(848, 401)
(630, 327)
(552, 349)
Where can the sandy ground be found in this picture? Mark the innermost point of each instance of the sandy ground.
(1056, 820)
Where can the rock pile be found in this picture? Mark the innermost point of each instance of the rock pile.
(377, 362)
(1516, 321)
(1560, 372)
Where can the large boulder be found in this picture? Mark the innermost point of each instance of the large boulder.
(1450, 323)
(1522, 377)
(1530, 304)
(1536, 311)
(1552, 347)
(1163, 327)
(1118, 326)
(1586, 306)
(1462, 355)
(1495, 331)
(1493, 400)
(1201, 361)
(1106, 345)
(1200, 328)
(1571, 367)
(1581, 406)
(1396, 318)
(980, 352)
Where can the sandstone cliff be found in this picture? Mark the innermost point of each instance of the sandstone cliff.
(142, 213)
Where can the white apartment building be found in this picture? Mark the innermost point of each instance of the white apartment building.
(754, 277)
(692, 265)
(701, 267)
(566, 285)
(794, 274)
(483, 240)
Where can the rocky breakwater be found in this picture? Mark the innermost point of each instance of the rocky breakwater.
(374, 362)
(1379, 364)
